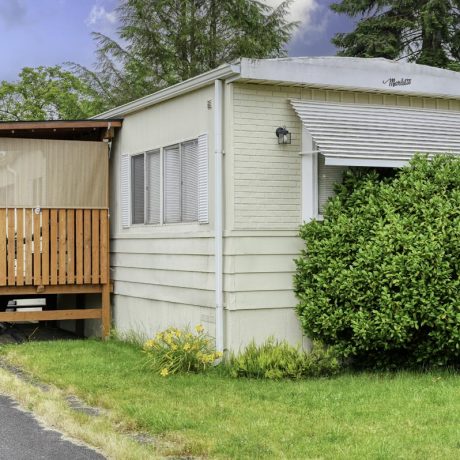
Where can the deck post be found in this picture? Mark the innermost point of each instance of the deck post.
(106, 313)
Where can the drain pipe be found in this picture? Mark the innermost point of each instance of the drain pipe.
(218, 213)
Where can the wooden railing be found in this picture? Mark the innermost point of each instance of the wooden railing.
(41, 247)
(55, 251)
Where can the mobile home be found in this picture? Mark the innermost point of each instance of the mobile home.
(211, 178)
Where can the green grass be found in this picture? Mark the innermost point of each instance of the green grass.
(378, 416)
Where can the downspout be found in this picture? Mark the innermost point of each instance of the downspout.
(218, 213)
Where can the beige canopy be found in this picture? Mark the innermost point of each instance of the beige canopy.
(53, 173)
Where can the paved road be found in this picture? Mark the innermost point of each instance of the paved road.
(22, 438)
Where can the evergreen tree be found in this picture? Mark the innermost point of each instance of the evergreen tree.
(421, 31)
(163, 42)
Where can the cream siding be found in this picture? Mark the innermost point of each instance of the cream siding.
(266, 183)
(267, 177)
(163, 274)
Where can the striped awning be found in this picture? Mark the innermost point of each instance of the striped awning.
(374, 135)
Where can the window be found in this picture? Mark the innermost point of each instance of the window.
(328, 176)
(167, 185)
(137, 189)
(153, 187)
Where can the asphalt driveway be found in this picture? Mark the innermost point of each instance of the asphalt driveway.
(22, 438)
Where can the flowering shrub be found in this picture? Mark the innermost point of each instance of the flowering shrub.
(178, 350)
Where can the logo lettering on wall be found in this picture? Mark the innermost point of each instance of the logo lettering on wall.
(392, 82)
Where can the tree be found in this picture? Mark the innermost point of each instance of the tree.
(47, 93)
(379, 278)
(168, 41)
(421, 31)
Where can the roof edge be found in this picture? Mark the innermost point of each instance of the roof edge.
(356, 74)
(204, 79)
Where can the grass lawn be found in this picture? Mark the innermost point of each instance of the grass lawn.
(378, 416)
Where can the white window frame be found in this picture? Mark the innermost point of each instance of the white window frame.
(309, 177)
(162, 183)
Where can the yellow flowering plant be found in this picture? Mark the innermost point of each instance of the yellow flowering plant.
(181, 350)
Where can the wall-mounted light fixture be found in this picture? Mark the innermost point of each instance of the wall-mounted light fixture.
(283, 135)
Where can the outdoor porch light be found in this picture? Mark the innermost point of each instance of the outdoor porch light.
(283, 135)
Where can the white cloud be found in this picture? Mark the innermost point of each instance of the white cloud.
(99, 14)
(300, 10)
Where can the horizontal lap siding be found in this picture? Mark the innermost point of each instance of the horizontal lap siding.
(163, 274)
(146, 316)
(267, 190)
(259, 269)
(170, 269)
(267, 177)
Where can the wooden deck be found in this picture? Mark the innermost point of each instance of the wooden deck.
(55, 251)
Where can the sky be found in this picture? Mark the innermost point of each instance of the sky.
(50, 32)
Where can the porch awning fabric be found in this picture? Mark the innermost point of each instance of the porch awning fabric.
(373, 135)
(52, 173)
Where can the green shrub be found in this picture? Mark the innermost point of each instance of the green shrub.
(379, 277)
(175, 350)
(278, 360)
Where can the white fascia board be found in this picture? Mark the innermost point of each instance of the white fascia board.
(221, 73)
(358, 74)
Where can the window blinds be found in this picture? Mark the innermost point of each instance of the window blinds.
(153, 187)
(328, 176)
(189, 171)
(172, 184)
(137, 187)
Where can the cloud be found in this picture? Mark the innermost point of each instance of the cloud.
(12, 12)
(300, 10)
(99, 15)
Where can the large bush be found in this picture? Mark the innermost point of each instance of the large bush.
(379, 277)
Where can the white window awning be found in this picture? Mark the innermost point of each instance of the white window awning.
(375, 135)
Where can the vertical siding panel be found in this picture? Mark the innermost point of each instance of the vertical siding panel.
(347, 97)
(70, 246)
(37, 250)
(87, 246)
(11, 248)
(53, 247)
(443, 104)
(390, 99)
(28, 235)
(79, 246)
(62, 246)
(362, 98)
(416, 102)
(376, 99)
(45, 247)
(20, 247)
(403, 101)
(95, 246)
(333, 96)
